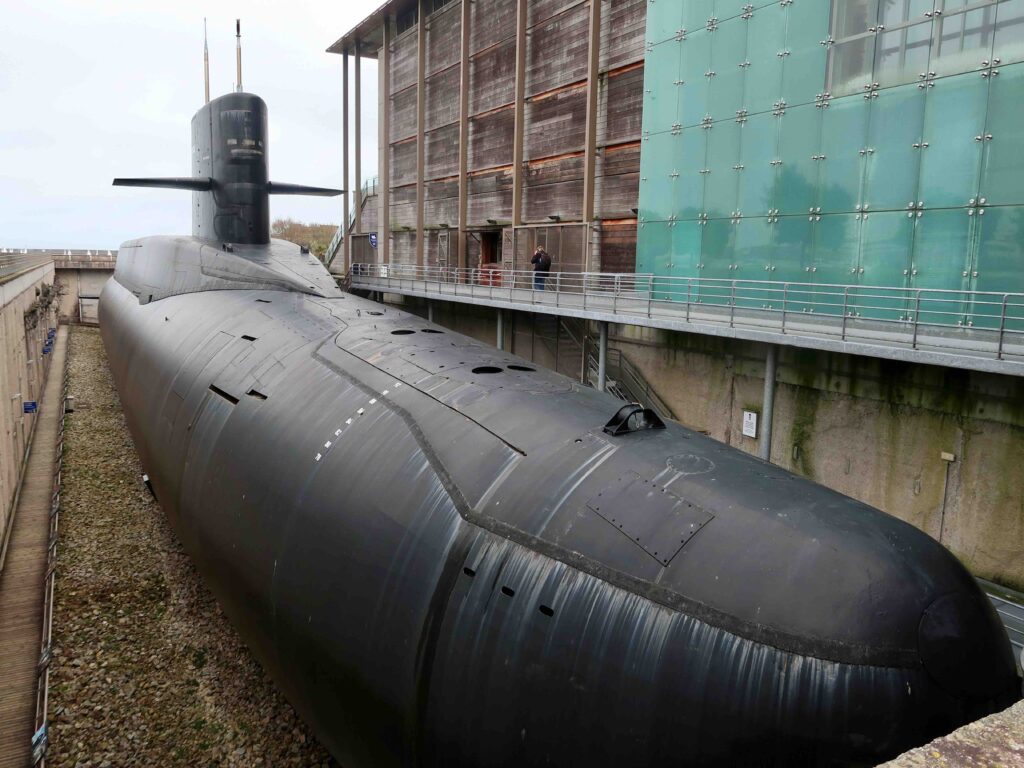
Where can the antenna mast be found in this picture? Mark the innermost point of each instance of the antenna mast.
(206, 64)
(238, 51)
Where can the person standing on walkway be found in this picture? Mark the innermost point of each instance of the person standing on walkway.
(541, 267)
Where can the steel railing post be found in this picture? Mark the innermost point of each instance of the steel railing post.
(846, 306)
(689, 296)
(732, 304)
(785, 301)
(1002, 329)
(917, 318)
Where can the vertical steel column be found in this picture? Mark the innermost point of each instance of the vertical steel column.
(764, 448)
(590, 152)
(346, 240)
(421, 105)
(384, 163)
(520, 95)
(461, 259)
(602, 345)
(358, 194)
(501, 330)
(430, 311)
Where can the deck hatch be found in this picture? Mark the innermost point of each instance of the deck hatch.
(650, 516)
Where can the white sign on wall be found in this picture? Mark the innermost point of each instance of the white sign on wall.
(750, 424)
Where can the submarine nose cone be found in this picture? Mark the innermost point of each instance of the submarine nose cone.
(964, 648)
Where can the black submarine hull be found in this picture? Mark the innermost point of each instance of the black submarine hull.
(442, 559)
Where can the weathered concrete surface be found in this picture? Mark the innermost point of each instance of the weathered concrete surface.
(996, 741)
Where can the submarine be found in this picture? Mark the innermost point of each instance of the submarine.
(444, 555)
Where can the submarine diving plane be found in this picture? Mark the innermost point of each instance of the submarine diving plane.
(446, 556)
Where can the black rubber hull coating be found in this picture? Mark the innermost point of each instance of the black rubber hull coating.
(443, 567)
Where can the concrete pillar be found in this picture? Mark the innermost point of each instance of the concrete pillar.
(501, 330)
(384, 147)
(430, 311)
(357, 195)
(602, 357)
(346, 240)
(764, 448)
(463, 135)
(520, 124)
(421, 109)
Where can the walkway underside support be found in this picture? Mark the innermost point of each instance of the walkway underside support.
(602, 357)
(764, 449)
(501, 330)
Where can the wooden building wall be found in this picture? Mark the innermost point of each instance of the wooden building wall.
(555, 107)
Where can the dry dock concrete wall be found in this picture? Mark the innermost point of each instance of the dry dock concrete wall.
(27, 311)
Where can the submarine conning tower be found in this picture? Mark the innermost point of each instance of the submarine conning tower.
(230, 182)
(229, 146)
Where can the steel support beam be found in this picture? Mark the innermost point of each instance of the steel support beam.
(421, 106)
(384, 161)
(602, 351)
(358, 194)
(764, 448)
(430, 311)
(346, 240)
(520, 114)
(463, 242)
(501, 330)
(593, 84)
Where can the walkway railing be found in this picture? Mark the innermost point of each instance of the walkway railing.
(369, 189)
(971, 323)
(13, 263)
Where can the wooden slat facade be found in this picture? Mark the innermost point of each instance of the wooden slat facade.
(555, 119)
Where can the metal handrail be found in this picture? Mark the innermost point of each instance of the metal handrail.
(784, 307)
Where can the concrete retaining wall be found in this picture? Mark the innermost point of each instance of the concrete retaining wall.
(26, 312)
(76, 284)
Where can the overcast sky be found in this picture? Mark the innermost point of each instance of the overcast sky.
(94, 90)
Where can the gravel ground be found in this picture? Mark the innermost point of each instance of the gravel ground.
(147, 669)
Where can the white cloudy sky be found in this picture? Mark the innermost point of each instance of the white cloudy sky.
(94, 89)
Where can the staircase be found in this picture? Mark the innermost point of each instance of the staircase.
(563, 338)
(624, 380)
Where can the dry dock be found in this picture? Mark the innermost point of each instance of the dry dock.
(147, 669)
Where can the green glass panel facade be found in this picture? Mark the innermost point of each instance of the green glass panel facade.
(763, 90)
(759, 146)
(844, 135)
(941, 258)
(895, 122)
(664, 20)
(694, 66)
(799, 149)
(662, 100)
(657, 185)
(1002, 181)
(721, 185)
(998, 265)
(855, 142)
(954, 124)
(728, 57)
(689, 150)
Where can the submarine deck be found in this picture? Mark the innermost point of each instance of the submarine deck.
(147, 668)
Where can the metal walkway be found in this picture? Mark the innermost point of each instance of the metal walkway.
(24, 575)
(1010, 607)
(957, 329)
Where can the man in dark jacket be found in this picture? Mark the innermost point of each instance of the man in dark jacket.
(541, 267)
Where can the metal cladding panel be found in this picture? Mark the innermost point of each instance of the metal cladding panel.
(418, 563)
